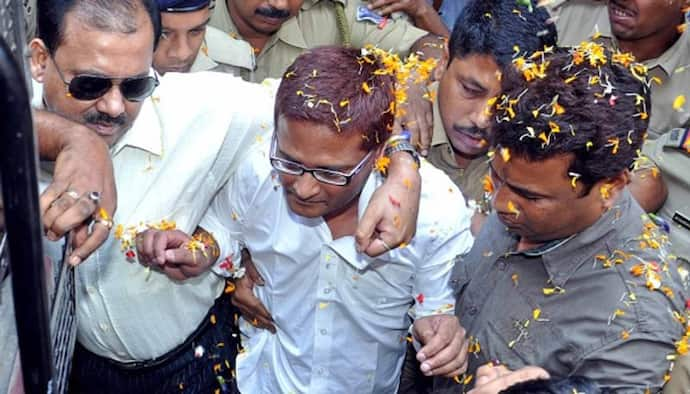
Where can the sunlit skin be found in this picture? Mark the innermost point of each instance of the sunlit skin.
(463, 92)
(536, 201)
(318, 146)
(258, 20)
(86, 51)
(647, 28)
(183, 35)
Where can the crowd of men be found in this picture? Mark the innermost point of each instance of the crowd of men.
(316, 196)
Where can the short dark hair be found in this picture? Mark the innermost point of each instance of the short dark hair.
(495, 27)
(573, 384)
(326, 86)
(585, 101)
(106, 15)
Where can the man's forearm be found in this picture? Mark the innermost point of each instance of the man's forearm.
(54, 133)
(429, 20)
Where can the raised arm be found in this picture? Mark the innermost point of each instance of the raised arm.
(422, 13)
(83, 170)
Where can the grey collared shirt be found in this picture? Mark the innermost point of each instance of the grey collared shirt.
(560, 308)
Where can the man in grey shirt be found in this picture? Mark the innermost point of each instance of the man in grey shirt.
(568, 276)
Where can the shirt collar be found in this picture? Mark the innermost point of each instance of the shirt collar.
(561, 261)
(675, 56)
(224, 48)
(345, 246)
(146, 133)
(290, 32)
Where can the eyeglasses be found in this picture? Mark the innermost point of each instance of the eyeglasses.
(330, 177)
(89, 87)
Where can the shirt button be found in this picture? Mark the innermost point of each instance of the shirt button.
(103, 326)
(327, 290)
(472, 311)
(324, 331)
(320, 371)
(90, 289)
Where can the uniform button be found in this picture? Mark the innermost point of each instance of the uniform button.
(472, 311)
(103, 326)
(324, 331)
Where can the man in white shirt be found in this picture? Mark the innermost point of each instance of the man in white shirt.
(341, 317)
(138, 330)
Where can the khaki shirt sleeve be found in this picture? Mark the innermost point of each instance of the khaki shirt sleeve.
(398, 35)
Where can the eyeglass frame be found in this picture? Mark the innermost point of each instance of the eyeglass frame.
(314, 171)
(113, 83)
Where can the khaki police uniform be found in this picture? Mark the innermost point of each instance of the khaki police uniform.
(316, 25)
(223, 53)
(441, 155)
(579, 20)
(673, 159)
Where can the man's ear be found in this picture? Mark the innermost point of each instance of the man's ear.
(610, 189)
(39, 59)
(443, 63)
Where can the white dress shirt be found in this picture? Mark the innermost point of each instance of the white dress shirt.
(188, 138)
(341, 316)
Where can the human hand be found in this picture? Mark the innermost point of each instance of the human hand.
(174, 253)
(444, 351)
(390, 219)
(83, 170)
(492, 379)
(414, 8)
(244, 299)
(418, 117)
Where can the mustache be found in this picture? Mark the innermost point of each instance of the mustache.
(105, 119)
(272, 12)
(475, 132)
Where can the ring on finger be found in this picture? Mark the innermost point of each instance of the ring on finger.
(105, 222)
(95, 197)
(385, 245)
(72, 194)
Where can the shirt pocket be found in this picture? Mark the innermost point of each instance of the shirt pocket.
(525, 335)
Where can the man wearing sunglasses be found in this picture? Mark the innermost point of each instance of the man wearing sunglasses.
(340, 316)
(143, 330)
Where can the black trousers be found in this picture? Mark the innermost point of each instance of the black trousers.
(178, 371)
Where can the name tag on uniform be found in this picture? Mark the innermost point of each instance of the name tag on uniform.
(365, 14)
(682, 220)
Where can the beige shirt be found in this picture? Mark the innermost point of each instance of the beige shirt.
(185, 143)
(222, 53)
(315, 25)
(441, 155)
(579, 20)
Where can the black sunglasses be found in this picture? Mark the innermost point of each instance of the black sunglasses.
(89, 87)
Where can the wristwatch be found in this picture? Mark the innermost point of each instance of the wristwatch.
(401, 143)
